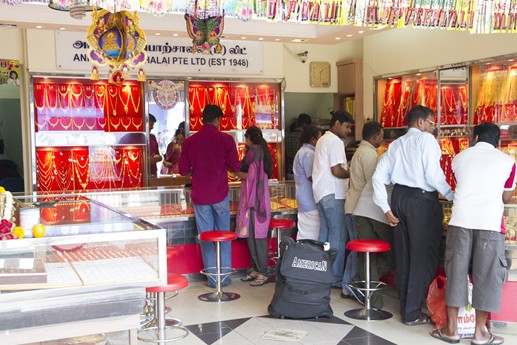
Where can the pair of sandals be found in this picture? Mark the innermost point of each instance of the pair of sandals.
(255, 279)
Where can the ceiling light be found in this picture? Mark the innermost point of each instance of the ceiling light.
(260, 38)
(298, 40)
(338, 38)
(277, 39)
(157, 34)
(361, 32)
(243, 37)
(39, 26)
(62, 28)
(175, 35)
(349, 35)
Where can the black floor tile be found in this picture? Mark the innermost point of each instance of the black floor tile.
(358, 336)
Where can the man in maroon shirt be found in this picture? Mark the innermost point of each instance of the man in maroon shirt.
(207, 156)
(154, 152)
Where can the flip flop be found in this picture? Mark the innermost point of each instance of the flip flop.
(437, 333)
(493, 340)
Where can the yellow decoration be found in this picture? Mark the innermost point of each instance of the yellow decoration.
(18, 231)
(38, 230)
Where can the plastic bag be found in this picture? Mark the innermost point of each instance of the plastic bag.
(436, 302)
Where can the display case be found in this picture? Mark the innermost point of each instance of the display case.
(88, 135)
(244, 104)
(445, 91)
(175, 203)
(89, 270)
(172, 210)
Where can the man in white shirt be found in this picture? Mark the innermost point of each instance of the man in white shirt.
(330, 180)
(412, 164)
(476, 233)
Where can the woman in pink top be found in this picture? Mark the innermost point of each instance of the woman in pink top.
(173, 152)
(254, 206)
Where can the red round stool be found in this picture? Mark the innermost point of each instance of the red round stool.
(367, 287)
(159, 329)
(277, 225)
(218, 236)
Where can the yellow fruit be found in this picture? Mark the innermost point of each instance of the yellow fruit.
(2, 189)
(18, 231)
(38, 230)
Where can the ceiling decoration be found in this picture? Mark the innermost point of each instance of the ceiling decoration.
(116, 40)
(205, 24)
(497, 16)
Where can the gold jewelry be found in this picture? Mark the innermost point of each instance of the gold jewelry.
(41, 91)
(87, 125)
(136, 107)
(115, 127)
(64, 97)
(112, 95)
(51, 88)
(127, 90)
(122, 122)
(76, 126)
(137, 126)
(62, 125)
(100, 96)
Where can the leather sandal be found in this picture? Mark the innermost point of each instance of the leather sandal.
(250, 277)
(260, 280)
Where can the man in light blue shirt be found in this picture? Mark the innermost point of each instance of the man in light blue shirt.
(308, 215)
(412, 164)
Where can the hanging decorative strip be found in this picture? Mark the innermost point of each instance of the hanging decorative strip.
(475, 16)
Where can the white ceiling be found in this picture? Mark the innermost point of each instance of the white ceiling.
(32, 15)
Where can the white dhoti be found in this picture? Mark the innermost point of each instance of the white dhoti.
(308, 225)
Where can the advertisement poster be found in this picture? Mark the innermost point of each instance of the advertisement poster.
(9, 72)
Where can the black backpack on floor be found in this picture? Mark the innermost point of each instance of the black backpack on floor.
(303, 280)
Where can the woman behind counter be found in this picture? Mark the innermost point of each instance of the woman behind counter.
(254, 207)
(173, 152)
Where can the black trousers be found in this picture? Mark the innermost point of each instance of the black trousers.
(417, 243)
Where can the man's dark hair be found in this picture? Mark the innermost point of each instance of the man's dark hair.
(152, 118)
(488, 132)
(308, 133)
(418, 112)
(341, 116)
(370, 129)
(304, 120)
(211, 112)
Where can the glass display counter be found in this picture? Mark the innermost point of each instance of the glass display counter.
(89, 270)
(172, 209)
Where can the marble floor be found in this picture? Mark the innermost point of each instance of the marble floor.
(245, 321)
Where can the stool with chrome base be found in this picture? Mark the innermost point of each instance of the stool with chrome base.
(279, 225)
(218, 236)
(158, 329)
(367, 287)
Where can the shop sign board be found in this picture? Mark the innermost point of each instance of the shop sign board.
(169, 55)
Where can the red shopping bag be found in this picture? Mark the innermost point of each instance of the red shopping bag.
(436, 302)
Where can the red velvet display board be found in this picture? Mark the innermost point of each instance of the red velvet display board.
(88, 168)
(86, 106)
(69, 105)
(243, 104)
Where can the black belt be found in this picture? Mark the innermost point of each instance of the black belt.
(413, 191)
